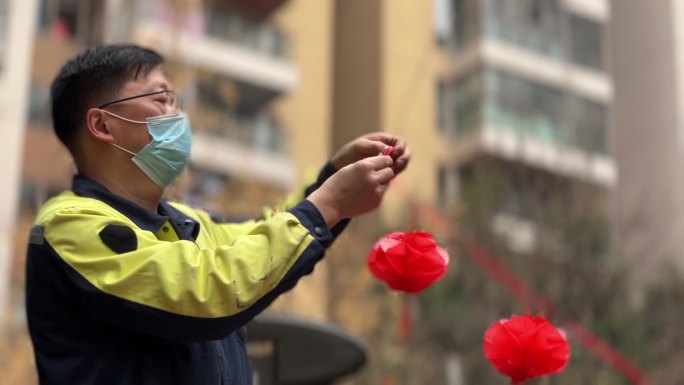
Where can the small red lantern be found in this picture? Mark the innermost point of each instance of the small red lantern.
(524, 347)
(408, 261)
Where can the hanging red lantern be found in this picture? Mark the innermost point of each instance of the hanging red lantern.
(524, 347)
(408, 261)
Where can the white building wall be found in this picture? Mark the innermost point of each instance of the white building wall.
(14, 80)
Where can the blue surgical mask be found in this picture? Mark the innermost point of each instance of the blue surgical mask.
(167, 155)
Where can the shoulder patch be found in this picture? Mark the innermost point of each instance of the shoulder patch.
(37, 236)
(121, 239)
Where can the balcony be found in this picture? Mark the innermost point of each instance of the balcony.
(502, 143)
(497, 113)
(258, 9)
(533, 66)
(232, 158)
(257, 65)
(560, 37)
(594, 9)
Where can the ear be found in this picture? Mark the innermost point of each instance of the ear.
(96, 124)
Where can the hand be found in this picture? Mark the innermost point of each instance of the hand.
(355, 189)
(372, 145)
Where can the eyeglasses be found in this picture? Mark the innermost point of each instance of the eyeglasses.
(169, 101)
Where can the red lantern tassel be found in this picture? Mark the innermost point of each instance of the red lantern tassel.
(406, 317)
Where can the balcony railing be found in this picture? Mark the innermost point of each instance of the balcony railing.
(543, 27)
(497, 99)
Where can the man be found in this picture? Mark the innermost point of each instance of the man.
(126, 288)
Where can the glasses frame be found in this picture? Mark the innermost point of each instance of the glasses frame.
(169, 92)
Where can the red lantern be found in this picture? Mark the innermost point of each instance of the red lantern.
(525, 347)
(409, 261)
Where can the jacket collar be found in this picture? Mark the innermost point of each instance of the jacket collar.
(143, 218)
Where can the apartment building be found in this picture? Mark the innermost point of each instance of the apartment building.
(521, 86)
(527, 91)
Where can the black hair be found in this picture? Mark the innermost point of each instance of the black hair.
(93, 78)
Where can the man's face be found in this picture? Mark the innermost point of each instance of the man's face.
(135, 136)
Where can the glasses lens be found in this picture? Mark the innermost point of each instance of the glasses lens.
(171, 99)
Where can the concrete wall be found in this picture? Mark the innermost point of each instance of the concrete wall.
(648, 127)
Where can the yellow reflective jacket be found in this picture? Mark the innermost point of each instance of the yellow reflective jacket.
(119, 295)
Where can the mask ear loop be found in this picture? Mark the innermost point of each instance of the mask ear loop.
(123, 149)
(126, 120)
(122, 118)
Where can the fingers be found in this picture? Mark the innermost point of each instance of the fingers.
(402, 161)
(381, 143)
(370, 147)
(384, 176)
(380, 162)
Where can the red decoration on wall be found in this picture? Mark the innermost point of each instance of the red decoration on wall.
(524, 347)
(408, 261)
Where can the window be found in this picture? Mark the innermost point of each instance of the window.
(441, 186)
(587, 42)
(442, 107)
(218, 112)
(459, 105)
(265, 134)
(545, 113)
(442, 20)
(447, 186)
(523, 106)
(73, 19)
(465, 19)
(236, 28)
(530, 24)
(588, 123)
(467, 103)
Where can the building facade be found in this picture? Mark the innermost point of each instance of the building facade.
(520, 86)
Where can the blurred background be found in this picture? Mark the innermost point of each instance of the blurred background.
(548, 159)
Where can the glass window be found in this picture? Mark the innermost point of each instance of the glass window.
(217, 112)
(543, 112)
(72, 19)
(531, 24)
(465, 18)
(588, 123)
(467, 105)
(458, 105)
(236, 28)
(442, 108)
(587, 42)
(442, 19)
(265, 134)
